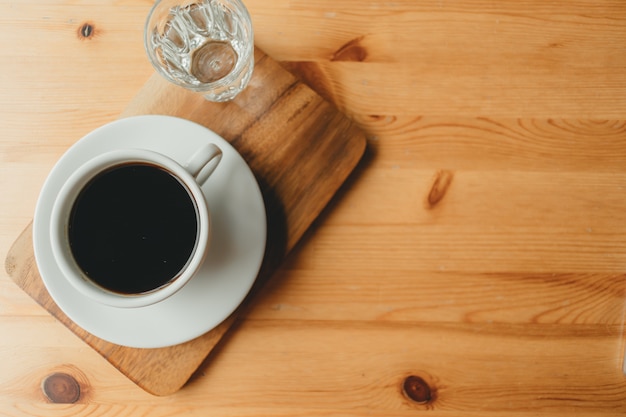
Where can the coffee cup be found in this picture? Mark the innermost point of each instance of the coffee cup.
(130, 227)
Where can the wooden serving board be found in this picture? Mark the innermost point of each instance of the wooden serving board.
(300, 148)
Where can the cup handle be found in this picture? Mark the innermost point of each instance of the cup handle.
(202, 164)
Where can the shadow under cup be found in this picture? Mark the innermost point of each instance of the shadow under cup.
(130, 228)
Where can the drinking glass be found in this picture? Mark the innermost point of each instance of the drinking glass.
(202, 45)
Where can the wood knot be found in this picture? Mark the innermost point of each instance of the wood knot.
(86, 31)
(387, 119)
(417, 390)
(439, 187)
(351, 51)
(61, 388)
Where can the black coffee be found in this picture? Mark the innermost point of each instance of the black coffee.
(133, 228)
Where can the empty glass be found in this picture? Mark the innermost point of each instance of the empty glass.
(202, 45)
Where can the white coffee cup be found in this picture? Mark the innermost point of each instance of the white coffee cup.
(190, 175)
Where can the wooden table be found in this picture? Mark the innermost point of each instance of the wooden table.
(473, 264)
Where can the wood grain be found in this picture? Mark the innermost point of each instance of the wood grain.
(485, 143)
(506, 296)
(444, 296)
(510, 59)
(334, 370)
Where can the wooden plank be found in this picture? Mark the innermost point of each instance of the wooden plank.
(497, 144)
(456, 198)
(510, 59)
(439, 32)
(472, 248)
(333, 368)
(411, 296)
(466, 92)
(513, 59)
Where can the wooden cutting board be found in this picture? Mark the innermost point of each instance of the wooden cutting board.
(300, 148)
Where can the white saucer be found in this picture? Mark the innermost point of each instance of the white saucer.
(239, 231)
